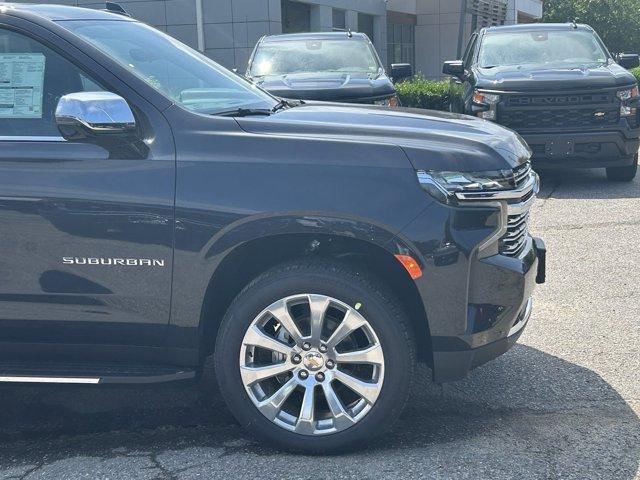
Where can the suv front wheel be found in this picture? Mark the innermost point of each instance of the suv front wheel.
(315, 356)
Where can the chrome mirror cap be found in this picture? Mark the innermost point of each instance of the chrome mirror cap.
(92, 113)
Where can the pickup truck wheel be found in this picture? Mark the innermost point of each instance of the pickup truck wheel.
(314, 356)
(623, 174)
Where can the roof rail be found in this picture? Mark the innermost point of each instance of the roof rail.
(114, 7)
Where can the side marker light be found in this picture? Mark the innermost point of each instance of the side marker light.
(410, 265)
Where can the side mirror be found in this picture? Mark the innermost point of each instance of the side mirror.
(629, 60)
(95, 115)
(455, 68)
(401, 71)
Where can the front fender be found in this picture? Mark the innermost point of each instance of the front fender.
(194, 269)
(292, 223)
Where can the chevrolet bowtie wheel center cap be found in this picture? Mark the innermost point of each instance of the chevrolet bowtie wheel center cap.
(313, 361)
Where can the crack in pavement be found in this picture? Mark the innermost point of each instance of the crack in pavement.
(166, 474)
(554, 186)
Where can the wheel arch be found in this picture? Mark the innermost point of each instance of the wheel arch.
(249, 259)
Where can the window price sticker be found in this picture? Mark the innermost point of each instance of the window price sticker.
(21, 85)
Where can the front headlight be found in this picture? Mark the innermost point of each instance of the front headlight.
(628, 101)
(388, 102)
(485, 105)
(444, 185)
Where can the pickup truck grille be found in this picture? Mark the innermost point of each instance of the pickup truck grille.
(512, 243)
(568, 111)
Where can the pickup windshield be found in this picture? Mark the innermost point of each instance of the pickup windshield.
(314, 56)
(549, 48)
(184, 75)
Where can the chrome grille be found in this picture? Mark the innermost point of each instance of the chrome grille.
(514, 240)
(515, 203)
(521, 173)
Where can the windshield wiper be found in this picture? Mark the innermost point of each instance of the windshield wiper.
(254, 112)
(282, 104)
(245, 112)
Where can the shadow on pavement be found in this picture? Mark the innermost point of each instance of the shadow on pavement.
(585, 184)
(525, 415)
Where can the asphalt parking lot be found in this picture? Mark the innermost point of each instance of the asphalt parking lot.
(564, 403)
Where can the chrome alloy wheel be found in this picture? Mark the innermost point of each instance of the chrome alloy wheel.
(312, 364)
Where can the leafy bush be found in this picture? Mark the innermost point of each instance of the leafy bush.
(422, 93)
(616, 21)
(636, 73)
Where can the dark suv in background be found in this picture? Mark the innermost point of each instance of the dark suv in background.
(559, 87)
(157, 209)
(326, 66)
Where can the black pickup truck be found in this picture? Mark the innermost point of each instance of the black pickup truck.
(157, 209)
(558, 86)
(324, 66)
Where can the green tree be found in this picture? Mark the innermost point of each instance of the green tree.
(616, 21)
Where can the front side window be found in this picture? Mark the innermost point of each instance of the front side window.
(314, 56)
(468, 54)
(32, 79)
(548, 48)
(184, 75)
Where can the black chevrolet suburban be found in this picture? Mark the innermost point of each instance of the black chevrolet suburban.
(157, 209)
(324, 66)
(559, 87)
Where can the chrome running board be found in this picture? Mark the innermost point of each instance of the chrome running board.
(91, 374)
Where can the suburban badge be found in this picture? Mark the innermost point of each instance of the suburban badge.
(125, 262)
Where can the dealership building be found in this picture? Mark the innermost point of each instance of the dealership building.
(421, 32)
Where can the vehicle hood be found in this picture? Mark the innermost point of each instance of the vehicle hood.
(431, 140)
(521, 78)
(343, 87)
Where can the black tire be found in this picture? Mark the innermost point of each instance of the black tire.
(342, 282)
(623, 174)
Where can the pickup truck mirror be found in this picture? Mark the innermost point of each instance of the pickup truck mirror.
(401, 71)
(94, 115)
(455, 68)
(629, 60)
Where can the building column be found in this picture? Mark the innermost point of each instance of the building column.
(512, 13)
(380, 36)
(200, 25)
(321, 18)
(352, 20)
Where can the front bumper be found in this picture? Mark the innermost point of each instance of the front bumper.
(479, 348)
(450, 366)
(584, 149)
(476, 296)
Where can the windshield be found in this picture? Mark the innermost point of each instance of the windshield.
(176, 70)
(564, 48)
(314, 56)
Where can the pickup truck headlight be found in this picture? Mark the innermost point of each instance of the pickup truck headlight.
(444, 185)
(629, 101)
(485, 105)
(388, 102)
